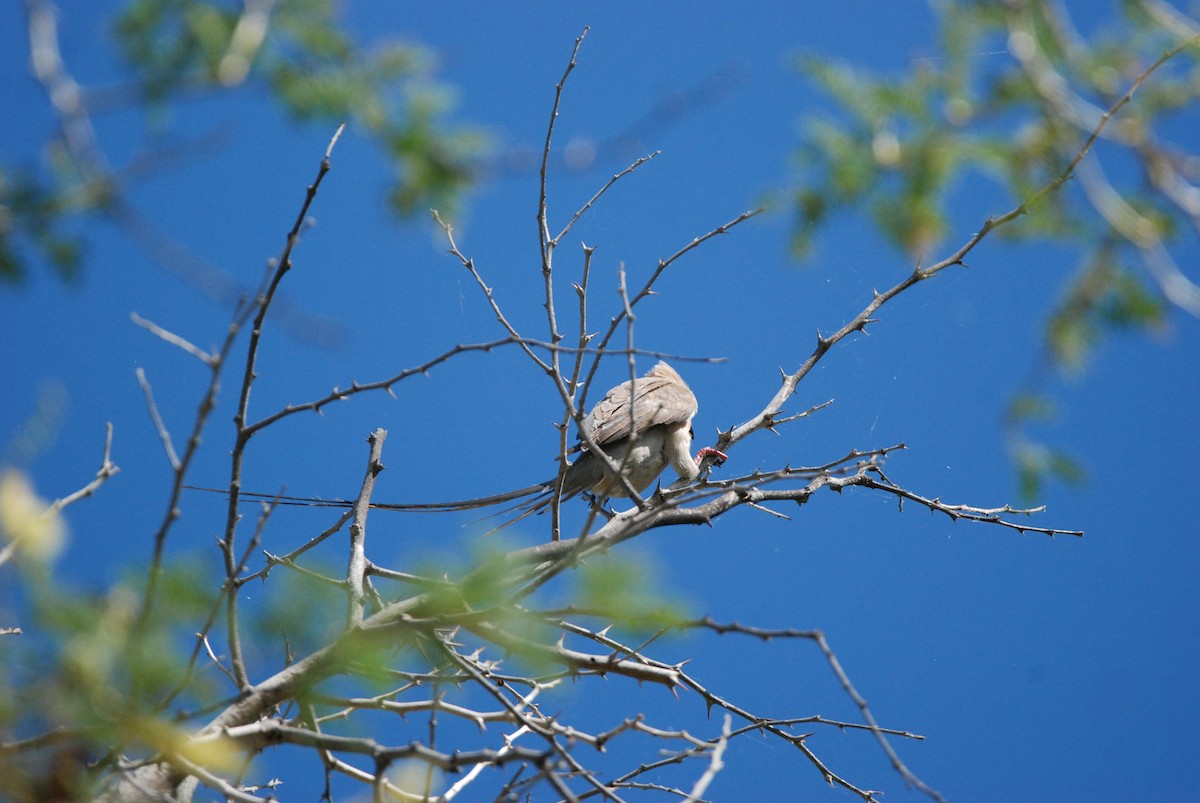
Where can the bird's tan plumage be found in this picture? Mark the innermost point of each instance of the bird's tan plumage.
(660, 398)
(642, 425)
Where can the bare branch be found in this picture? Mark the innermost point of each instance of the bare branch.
(107, 469)
(172, 338)
(860, 321)
(715, 765)
(356, 572)
(159, 426)
(599, 193)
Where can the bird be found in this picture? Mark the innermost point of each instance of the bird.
(641, 425)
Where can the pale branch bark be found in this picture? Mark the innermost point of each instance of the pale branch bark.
(208, 402)
(269, 731)
(970, 513)
(575, 660)
(356, 571)
(107, 469)
(564, 424)
(214, 781)
(547, 733)
(289, 559)
(160, 427)
(228, 587)
(715, 765)
(815, 636)
(545, 558)
(765, 724)
(349, 705)
(173, 339)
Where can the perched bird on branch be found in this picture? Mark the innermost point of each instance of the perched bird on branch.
(642, 425)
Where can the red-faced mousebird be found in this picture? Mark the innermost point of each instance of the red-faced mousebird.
(642, 426)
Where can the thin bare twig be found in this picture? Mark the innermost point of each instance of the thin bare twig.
(243, 432)
(866, 316)
(716, 764)
(163, 434)
(356, 571)
(174, 339)
(107, 469)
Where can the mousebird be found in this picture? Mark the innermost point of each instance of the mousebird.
(643, 426)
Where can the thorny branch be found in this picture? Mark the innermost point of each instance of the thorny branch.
(766, 417)
(449, 626)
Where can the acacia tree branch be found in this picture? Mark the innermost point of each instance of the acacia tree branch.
(773, 727)
(243, 432)
(546, 242)
(648, 288)
(613, 179)
(422, 614)
(859, 323)
(715, 765)
(107, 469)
(163, 434)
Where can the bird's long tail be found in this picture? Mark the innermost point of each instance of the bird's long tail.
(422, 507)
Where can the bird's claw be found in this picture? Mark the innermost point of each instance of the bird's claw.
(718, 456)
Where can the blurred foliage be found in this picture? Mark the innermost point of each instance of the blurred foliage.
(27, 522)
(318, 73)
(623, 588)
(95, 671)
(88, 672)
(178, 51)
(1012, 94)
(33, 216)
(1036, 463)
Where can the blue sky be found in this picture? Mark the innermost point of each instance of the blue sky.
(1036, 668)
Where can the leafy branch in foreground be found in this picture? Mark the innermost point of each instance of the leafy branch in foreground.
(1016, 89)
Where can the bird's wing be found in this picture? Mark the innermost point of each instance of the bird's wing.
(663, 398)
